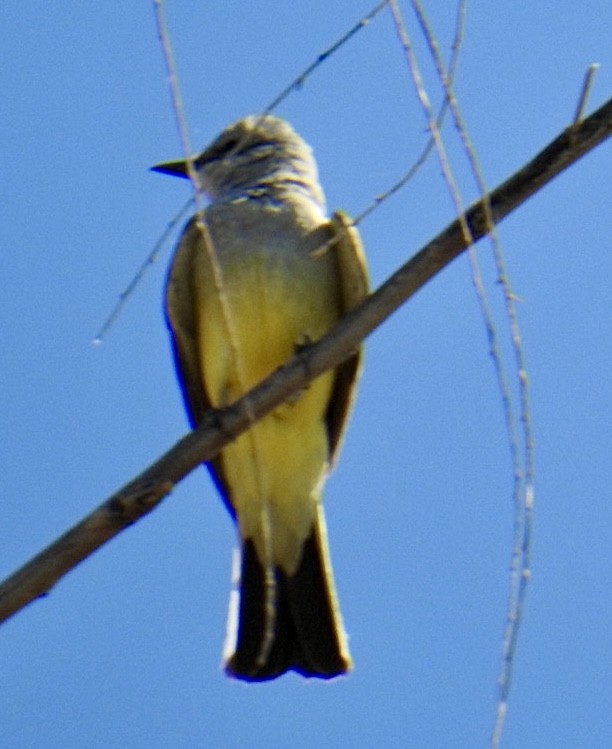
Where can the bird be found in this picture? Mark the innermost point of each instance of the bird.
(259, 274)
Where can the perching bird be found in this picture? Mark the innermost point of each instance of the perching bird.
(270, 293)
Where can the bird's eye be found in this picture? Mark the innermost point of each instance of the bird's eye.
(228, 147)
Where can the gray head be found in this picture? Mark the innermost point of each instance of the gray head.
(254, 157)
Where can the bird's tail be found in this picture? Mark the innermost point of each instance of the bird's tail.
(288, 622)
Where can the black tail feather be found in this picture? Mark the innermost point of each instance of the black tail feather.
(289, 622)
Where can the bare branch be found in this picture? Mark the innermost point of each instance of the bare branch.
(142, 494)
(586, 90)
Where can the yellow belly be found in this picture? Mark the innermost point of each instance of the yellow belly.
(274, 471)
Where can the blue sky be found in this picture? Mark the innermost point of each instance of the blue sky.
(125, 652)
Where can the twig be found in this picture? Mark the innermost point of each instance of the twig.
(422, 158)
(522, 462)
(202, 227)
(149, 260)
(586, 90)
(299, 81)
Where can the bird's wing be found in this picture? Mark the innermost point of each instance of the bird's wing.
(353, 278)
(181, 318)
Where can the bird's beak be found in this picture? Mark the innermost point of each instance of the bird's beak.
(174, 168)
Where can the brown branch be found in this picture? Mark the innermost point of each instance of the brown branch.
(142, 494)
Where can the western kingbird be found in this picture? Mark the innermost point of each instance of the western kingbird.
(260, 274)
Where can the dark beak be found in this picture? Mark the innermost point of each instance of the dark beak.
(174, 168)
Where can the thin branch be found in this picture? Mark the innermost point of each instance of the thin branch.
(230, 332)
(522, 462)
(142, 494)
(139, 275)
(586, 90)
(175, 91)
(297, 83)
(379, 199)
